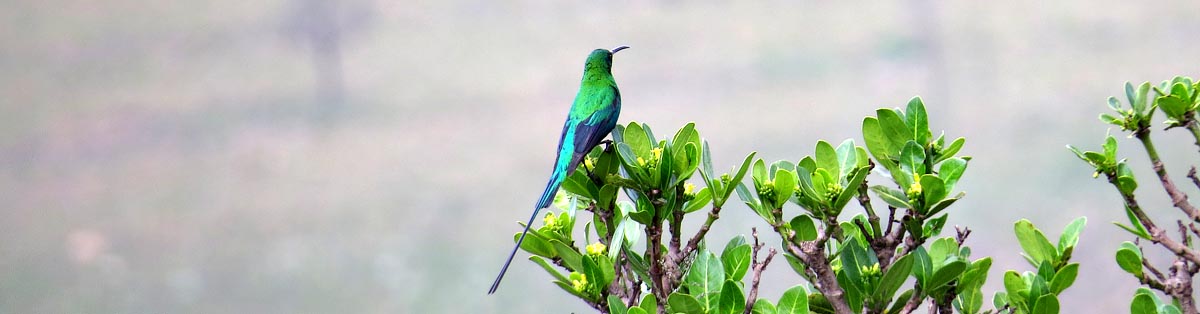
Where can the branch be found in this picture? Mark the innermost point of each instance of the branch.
(758, 269)
(695, 241)
(913, 302)
(1178, 199)
(812, 254)
(1157, 235)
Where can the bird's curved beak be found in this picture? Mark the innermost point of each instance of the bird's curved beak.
(614, 51)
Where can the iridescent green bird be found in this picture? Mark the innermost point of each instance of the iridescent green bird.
(592, 117)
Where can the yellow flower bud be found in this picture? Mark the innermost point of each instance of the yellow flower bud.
(578, 281)
(641, 162)
(688, 188)
(589, 162)
(596, 248)
(549, 220)
(657, 152)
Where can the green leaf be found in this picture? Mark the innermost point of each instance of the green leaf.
(918, 120)
(1070, 235)
(793, 301)
(706, 166)
(826, 157)
(682, 303)
(857, 177)
(847, 157)
(637, 140)
(794, 262)
(893, 278)
(569, 289)
(737, 179)
(976, 274)
(785, 186)
(1000, 300)
(894, 128)
(549, 269)
(891, 196)
(705, 277)
(969, 301)
(922, 266)
(698, 201)
(852, 264)
(569, 255)
(912, 159)
(805, 229)
(1125, 180)
(649, 304)
(536, 245)
(878, 144)
(762, 306)
(949, 151)
(933, 188)
(1130, 259)
(598, 275)
(736, 258)
(1137, 229)
(1047, 304)
(900, 301)
(941, 251)
(759, 174)
(1036, 246)
(950, 171)
(1064, 278)
(732, 301)
(1014, 285)
(579, 184)
(638, 310)
(1143, 304)
(749, 198)
(615, 306)
(946, 274)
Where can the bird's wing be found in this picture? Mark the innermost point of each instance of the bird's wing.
(591, 130)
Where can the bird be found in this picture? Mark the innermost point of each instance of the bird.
(592, 117)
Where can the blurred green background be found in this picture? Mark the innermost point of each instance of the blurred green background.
(363, 156)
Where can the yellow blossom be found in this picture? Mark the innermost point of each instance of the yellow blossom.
(596, 248)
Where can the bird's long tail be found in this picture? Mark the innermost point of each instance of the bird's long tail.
(547, 198)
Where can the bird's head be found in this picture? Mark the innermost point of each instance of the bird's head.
(602, 58)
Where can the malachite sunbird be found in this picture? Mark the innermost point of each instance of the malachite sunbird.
(592, 117)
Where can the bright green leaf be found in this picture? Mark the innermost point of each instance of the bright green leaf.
(1047, 304)
(682, 303)
(1064, 278)
(1036, 246)
(793, 301)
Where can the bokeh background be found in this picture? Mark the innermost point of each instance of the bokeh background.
(361, 156)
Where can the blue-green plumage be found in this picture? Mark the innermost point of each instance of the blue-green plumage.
(592, 117)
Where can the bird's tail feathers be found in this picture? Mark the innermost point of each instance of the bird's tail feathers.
(547, 198)
(556, 180)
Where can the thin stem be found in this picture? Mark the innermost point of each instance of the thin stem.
(1192, 126)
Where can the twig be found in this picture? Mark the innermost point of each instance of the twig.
(1192, 175)
(758, 270)
(963, 233)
